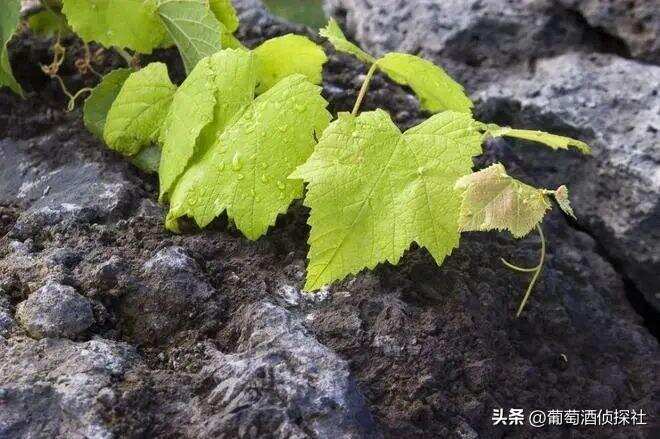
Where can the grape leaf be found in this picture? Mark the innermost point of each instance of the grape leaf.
(100, 100)
(137, 114)
(282, 56)
(373, 190)
(492, 200)
(123, 23)
(225, 13)
(9, 17)
(337, 38)
(552, 140)
(561, 196)
(243, 164)
(437, 91)
(193, 27)
(217, 88)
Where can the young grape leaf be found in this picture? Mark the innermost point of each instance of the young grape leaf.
(561, 196)
(214, 92)
(552, 140)
(437, 91)
(9, 17)
(337, 38)
(242, 165)
(100, 100)
(225, 13)
(136, 116)
(492, 200)
(123, 23)
(282, 56)
(193, 27)
(373, 190)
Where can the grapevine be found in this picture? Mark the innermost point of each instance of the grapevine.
(248, 132)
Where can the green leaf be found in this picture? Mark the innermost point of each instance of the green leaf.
(373, 190)
(48, 23)
(137, 114)
(123, 23)
(214, 92)
(100, 100)
(245, 171)
(492, 200)
(337, 38)
(561, 196)
(193, 27)
(552, 140)
(283, 56)
(437, 91)
(9, 16)
(148, 159)
(225, 13)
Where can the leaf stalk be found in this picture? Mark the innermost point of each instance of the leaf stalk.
(364, 88)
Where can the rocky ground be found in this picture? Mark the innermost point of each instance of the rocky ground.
(112, 327)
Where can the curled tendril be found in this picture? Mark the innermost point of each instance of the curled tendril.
(536, 270)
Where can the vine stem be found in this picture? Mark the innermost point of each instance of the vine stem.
(124, 54)
(364, 88)
(536, 270)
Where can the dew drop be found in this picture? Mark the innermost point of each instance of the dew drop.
(264, 178)
(300, 108)
(236, 164)
(239, 176)
(280, 185)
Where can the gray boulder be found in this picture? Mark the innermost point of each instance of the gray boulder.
(280, 383)
(636, 23)
(613, 104)
(55, 311)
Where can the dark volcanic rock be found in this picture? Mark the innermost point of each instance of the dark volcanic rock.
(55, 387)
(415, 350)
(281, 382)
(637, 23)
(174, 295)
(55, 310)
(613, 104)
(477, 41)
(59, 189)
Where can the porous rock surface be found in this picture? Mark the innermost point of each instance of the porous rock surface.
(206, 334)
